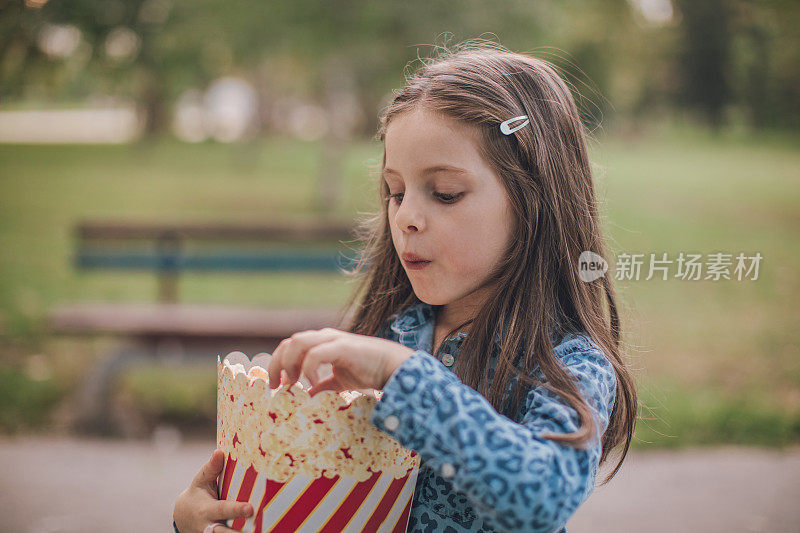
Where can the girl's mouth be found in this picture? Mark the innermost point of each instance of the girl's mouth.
(416, 265)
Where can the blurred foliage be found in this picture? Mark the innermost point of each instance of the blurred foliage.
(181, 397)
(25, 402)
(717, 57)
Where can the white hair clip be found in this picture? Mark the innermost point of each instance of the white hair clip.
(504, 127)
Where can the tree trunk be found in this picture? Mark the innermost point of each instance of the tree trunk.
(342, 114)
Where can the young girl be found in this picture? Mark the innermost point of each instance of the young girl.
(496, 361)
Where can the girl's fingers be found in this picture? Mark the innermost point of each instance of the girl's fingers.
(325, 352)
(228, 510)
(221, 528)
(275, 365)
(291, 351)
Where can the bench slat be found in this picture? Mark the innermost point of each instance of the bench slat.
(289, 231)
(298, 261)
(169, 319)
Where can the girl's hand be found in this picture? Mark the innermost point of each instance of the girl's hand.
(358, 361)
(198, 505)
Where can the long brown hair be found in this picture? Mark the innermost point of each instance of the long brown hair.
(545, 170)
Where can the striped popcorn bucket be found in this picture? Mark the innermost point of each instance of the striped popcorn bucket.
(307, 464)
(381, 503)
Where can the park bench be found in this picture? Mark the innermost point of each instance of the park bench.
(169, 330)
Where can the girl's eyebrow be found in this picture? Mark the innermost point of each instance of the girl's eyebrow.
(431, 170)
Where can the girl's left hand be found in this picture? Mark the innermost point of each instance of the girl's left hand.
(358, 361)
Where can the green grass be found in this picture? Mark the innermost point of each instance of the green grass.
(675, 416)
(717, 361)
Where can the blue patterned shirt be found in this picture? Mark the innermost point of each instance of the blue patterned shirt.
(480, 470)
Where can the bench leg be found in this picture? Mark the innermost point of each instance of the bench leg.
(95, 414)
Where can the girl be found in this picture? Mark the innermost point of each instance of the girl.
(497, 362)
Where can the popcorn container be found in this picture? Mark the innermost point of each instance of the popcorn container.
(307, 464)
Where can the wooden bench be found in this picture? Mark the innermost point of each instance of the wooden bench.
(173, 331)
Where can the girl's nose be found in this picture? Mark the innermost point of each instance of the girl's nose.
(408, 216)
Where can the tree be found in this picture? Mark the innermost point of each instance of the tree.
(704, 57)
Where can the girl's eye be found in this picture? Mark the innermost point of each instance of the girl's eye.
(448, 198)
(398, 196)
(443, 197)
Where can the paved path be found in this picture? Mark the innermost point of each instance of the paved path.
(63, 485)
(708, 490)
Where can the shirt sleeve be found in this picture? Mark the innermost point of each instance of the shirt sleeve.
(175, 527)
(515, 479)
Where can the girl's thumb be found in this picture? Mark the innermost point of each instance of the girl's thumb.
(217, 461)
(210, 471)
(330, 383)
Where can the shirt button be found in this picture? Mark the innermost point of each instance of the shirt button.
(448, 359)
(448, 470)
(391, 422)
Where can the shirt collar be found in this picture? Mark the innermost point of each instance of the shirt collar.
(412, 318)
(420, 314)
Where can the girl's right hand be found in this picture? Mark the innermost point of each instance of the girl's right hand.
(198, 505)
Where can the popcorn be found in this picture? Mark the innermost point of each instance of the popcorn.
(284, 447)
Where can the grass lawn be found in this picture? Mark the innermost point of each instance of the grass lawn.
(716, 361)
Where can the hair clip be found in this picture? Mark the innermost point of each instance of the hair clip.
(504, 127)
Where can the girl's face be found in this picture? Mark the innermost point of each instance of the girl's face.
(446, 205)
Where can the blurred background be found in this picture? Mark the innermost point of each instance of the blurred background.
(149, 149)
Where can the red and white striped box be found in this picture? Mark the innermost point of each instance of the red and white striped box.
(307, 464)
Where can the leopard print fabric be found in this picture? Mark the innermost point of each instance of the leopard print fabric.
(483, 471)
